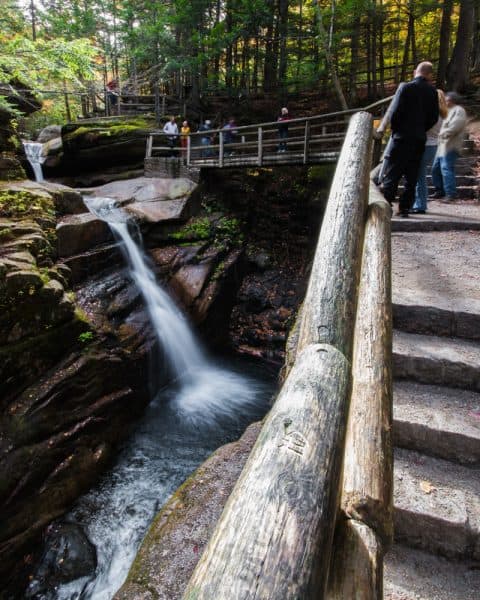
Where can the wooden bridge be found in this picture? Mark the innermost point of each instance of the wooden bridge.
(311, 140)
(311, 514)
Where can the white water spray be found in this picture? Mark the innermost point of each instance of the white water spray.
(33, 152)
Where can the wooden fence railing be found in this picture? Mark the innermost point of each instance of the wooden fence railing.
(275, 538)
(310, 140)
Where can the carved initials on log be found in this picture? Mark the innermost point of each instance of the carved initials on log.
(294, 441)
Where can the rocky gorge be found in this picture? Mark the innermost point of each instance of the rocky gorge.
(76, 341)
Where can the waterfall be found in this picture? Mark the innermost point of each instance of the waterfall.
(205, 392)
(33, 152)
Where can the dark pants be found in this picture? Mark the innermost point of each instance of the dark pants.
(172, 144)
(403, 160)
(283, 135)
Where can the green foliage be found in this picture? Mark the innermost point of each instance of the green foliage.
(85, 337)
(22, 204)
(196, 229)
(228, 232)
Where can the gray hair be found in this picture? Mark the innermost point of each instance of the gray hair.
(454, 97)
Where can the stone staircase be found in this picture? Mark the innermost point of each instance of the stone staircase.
(467, 180)
(436, 357)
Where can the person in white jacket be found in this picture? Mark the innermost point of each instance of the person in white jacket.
(171, 130)
(450, 143)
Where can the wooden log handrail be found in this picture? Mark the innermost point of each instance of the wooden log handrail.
(274, 538)
(365, 525)
(328, 312)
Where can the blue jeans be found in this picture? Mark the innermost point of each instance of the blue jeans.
(421, 189)
(443, 174)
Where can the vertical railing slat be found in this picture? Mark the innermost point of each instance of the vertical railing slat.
(260, 147)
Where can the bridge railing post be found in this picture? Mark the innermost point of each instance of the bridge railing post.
(221, 149)
(189, 149)
(260, 147)
(306, 142)
(148, 153)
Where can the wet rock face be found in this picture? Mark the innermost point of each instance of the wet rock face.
(71, 384)
(281, 212)
(266, 307)
(11, 150)
(69, 555)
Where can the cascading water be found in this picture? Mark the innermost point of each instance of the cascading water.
(204, 391)
(206, 406)
(33, 152)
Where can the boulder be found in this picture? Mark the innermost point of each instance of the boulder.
(50, 132)
(78, 233)
(52, 153)
(96, 145)
(68, 555)
(144, 189)
(159, 211)
(188, 281)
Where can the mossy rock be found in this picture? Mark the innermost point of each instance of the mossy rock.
(23, 204)
(84, 134)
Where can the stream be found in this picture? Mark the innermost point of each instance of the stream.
(209, 403)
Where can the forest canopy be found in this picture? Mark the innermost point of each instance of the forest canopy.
(191, 48)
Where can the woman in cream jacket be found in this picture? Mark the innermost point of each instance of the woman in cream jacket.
(450, 143)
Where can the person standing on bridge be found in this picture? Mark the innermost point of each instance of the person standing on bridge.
(184, 133)
(230, 135)
(283, 129)
(415, 110)
(206, 139)
(171, 130)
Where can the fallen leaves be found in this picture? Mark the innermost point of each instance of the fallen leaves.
(427, 487)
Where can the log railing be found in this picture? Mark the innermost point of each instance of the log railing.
(275, 538)
(310, 140)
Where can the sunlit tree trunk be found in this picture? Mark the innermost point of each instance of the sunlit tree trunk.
(329, 57)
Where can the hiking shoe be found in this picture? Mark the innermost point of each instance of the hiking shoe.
(437, 195)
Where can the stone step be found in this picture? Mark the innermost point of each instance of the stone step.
(411, 574)
(439, 421)
(437, 505)
(432, 222)
(436, 360)
(463, 191)
(432, 319)
(468, 180)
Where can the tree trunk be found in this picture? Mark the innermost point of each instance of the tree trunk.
(283, 32)
(457, 71)
(406, 53)
(34, 20)
(445, 30)
(381, 54)
(329, 57)
(268, 67)
(373, 64)
(354, 47)
(476, 40)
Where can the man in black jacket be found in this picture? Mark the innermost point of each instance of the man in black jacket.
(414, 112)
